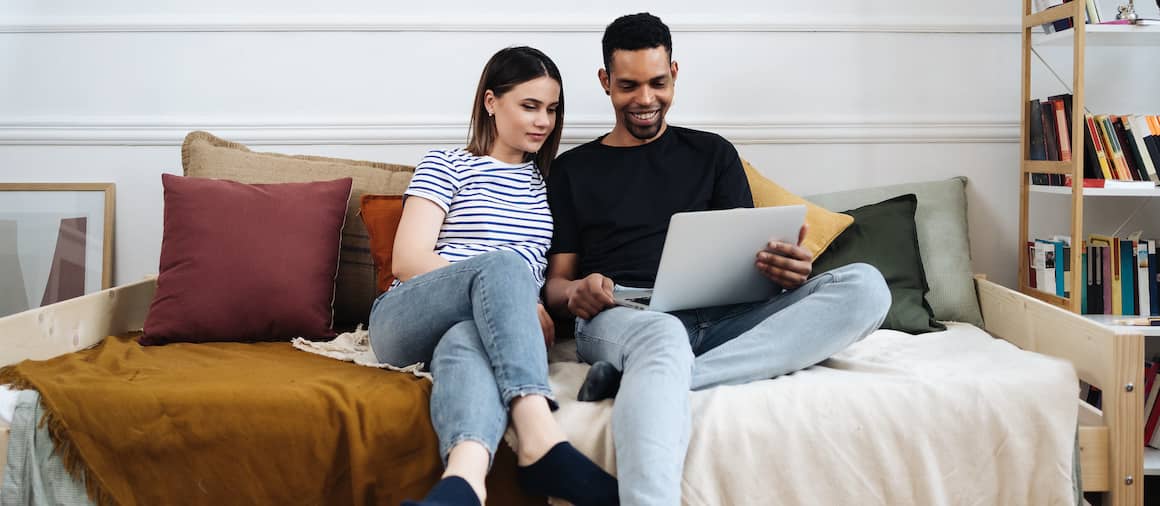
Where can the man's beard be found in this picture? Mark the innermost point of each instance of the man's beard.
(645, 133)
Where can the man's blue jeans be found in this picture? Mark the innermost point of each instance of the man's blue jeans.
(475, 321)
(664, 355)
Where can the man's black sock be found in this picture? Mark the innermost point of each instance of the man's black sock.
(602, 382)
(567, 474)
(450, 491)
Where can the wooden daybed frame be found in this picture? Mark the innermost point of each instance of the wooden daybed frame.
(1111, 448)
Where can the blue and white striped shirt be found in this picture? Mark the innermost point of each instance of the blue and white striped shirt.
(490, 205)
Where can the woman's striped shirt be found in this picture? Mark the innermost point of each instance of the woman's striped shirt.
(490, 205)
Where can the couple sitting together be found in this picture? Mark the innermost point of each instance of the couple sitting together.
(497, 236)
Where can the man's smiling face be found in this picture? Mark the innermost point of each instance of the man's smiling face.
(640, 84)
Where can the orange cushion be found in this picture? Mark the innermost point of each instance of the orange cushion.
(381, 214)
(822, 225)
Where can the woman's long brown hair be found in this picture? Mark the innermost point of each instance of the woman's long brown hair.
(506, 69)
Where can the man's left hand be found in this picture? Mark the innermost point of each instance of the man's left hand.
(788, 265)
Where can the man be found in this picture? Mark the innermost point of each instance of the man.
(611, 200)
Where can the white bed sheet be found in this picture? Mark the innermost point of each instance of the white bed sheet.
(954, 417)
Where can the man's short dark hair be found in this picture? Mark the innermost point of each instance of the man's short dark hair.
(633, 32)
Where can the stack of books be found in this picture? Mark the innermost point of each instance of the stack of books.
(1091, 14)
(1120, 151)
(1119, 276)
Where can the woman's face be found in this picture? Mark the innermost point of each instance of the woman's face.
(524, 116)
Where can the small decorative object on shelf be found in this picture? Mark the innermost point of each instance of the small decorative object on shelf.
(1128, 12)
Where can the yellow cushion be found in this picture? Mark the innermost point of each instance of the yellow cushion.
(822, 225)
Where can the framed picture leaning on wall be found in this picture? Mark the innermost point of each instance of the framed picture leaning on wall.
(56, 242)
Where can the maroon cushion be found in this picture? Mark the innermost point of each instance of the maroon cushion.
(246, 262)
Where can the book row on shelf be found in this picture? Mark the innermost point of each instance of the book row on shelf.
(1119, 275)
(1120, 151)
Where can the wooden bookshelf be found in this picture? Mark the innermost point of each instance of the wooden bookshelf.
(1127, 462)
(1080, 37)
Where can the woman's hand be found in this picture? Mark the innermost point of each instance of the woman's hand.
(547, 325)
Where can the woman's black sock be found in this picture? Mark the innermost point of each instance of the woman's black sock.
(567, 474)
(450, 491)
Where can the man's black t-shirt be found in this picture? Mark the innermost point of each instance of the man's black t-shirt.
(611, 205)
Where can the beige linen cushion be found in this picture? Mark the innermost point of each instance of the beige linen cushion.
(204, 155)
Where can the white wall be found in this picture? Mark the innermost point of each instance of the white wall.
(820, 95)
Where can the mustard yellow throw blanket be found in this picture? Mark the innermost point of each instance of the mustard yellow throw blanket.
(231, 423)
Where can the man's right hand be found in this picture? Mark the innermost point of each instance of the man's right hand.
(589, 296)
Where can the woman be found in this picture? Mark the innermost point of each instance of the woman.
(470, 257)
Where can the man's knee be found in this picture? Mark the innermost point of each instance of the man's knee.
(867, 288)
(660, 337)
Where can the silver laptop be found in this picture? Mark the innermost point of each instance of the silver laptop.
(708, 258)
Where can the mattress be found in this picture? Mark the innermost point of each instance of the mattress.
(953, 417)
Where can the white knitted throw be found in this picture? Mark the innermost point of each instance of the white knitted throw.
(355, 347)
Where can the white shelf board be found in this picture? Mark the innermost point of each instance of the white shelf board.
(1108, 320)
(1151, 461)
(1106, 35)
(1099, 192)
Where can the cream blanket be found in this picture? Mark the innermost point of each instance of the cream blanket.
(954, 417)
(946, 418)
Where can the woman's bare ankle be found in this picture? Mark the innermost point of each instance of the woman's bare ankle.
(536, 428)
(469, 460)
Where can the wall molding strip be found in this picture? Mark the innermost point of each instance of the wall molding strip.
(99, 132)
(465, 23)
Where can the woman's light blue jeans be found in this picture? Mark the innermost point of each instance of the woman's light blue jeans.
(664, 355)
(475, 322)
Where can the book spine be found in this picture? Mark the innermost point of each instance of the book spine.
(1130, 156)
(1139, 131)
(1101, 155)
(1098, 284)
(1127, 278)
(1142, 281)
(1050, 139)
(1117, 289)
(1154, 290)
(1031, 264)
(1061, 129)
(1045, 266)
(1109, 137)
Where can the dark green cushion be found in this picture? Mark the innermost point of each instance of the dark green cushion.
(884, 235)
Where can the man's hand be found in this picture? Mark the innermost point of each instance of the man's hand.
(547, 325)
(589, 296)
(788, 265)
